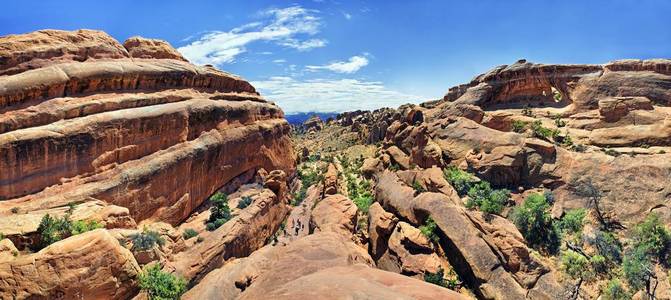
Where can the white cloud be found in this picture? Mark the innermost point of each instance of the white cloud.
(330, 95)
(351, 66)
(347, 16)
(279, 61)
(286, 26)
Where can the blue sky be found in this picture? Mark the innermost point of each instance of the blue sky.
(345, 55)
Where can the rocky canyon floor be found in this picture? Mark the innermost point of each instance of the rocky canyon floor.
(127, 172)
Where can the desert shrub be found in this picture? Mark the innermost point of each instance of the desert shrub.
(418, 187)
(244, 202)
(14, 210)
(146, 240)
(220, 213)
(429, 229)
(437, 278)
(598, 263)
(533, 220)
(460, 180)
(519, 126)
(636, 267)
(81, 226)
(189, 233)
(575, 264)
(491, 201)
(394, 167)
(614, 291)
(199, 239)
(608, 246)
(363, 201)
(651, 237)
(53, 229)
(542, 132)
(526, 111)
(573, 220)
(558, 121)
(161, 285)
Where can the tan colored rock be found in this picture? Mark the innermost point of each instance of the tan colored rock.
(399, 157)
(269, 268)
(331, 180)
(409, 252)
(371, 166)
(380, 226)
(335, 213)
(7, 250)
(139, 47)
(92, 265)
(239, 237)
(46, 47)
(613, 109)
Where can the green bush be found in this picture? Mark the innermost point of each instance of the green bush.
(489, 201)
(160, 285)
(189, 233)
(614, 291)
(220, 213)
(533, 220)
(53, 229)
(244, 202)
(542, 132)
(651, 237)
(363, 201)
(599, 263)
(573, 220)
(146, 240)
(519, 126)
(429, 229)
(575, 265)
(461, 181)
(636, 267)
(418, 187)
(437, 278)
(81, 226)
(608, 246)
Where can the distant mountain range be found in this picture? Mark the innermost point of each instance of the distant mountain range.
(299, 118)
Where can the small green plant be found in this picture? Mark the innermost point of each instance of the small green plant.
(460, 180)
(244, 202)
(651, 237)
(437, 278)
(161, 285)
(558, 121)
(146, 240)
(575, 265)
(519, 126)
(81, 226)
(418, 187)
(199, 239)
(15, 253)
(189, 233)
(429, 229)
(220, 213)
(573, 220)
(489, 201)
(636, 268)
(14, 210)
(533, 220)
(599, 263)
(578, 147)
(542, 132)
(526, 111)
(394, 167)
(53, 229)
(363, 201)
(614, 290)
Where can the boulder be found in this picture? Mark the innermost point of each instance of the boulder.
(331, 180)
(399, 157)
(92, 265)
(335, 213)
(380, 226)
(139, 47)
(410, 253)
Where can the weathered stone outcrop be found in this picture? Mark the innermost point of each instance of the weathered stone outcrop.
(335, 213)
(319, 266)
(91, 265)
(139, 47)
(38, 49)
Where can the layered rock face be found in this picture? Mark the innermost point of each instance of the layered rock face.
(94, 130)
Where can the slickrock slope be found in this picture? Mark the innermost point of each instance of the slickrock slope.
(130, 136)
